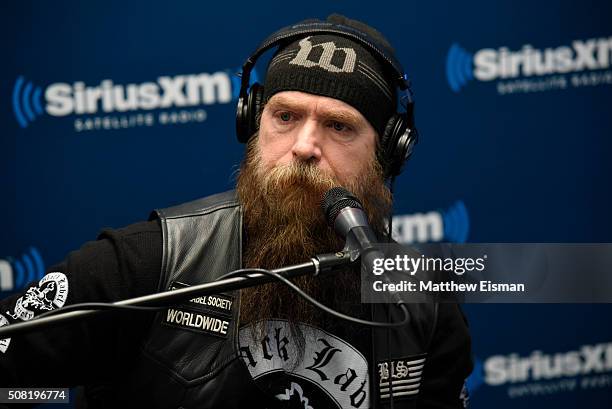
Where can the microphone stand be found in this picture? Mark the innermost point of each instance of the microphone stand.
(319, 264)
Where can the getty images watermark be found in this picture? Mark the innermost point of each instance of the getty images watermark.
(481, 273)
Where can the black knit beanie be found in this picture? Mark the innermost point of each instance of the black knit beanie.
(336, 67)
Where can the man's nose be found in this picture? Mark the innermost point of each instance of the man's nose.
(307, 144)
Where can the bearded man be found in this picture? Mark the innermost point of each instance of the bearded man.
(320, 122)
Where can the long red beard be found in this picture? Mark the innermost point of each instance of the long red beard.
(284, 225)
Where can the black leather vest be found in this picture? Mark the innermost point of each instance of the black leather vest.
(181, 366)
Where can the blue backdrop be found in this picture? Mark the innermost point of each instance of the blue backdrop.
(108, 110)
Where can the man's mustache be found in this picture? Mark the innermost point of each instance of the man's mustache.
(296, 173)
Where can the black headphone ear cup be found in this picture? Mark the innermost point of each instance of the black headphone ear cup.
(246, 113)
(242, 132)
(397, 143)
(254, 107)
(387, 144)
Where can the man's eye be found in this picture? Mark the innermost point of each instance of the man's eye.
(339, 126)
(285, 116)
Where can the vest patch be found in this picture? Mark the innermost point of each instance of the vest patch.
(400, 377)
(215, 304)
(210, 314)
(195, 321)
(324, 372)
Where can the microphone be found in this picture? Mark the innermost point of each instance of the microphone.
(345, 214)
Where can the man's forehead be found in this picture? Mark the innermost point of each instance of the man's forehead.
(311, 102)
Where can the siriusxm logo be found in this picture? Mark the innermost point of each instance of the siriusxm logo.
(15, 273)
(512, 368)
(452, 225)
(62, 99)
(539, 374)
(502, 63)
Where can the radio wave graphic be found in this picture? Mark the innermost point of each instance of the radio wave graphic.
(459, 67)
(26, 101)
(456, 223)
(15, 273)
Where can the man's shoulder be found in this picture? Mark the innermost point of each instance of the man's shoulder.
(199, 206)
(144, 235)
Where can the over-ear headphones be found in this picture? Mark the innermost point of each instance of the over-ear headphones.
(400, 134)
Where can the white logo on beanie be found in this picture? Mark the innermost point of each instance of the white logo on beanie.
(329, 48)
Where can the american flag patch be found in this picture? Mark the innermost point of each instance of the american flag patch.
(400, 377)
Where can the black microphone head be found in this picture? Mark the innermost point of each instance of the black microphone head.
(335, 200)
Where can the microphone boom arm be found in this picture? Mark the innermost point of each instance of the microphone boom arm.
(319, 264)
